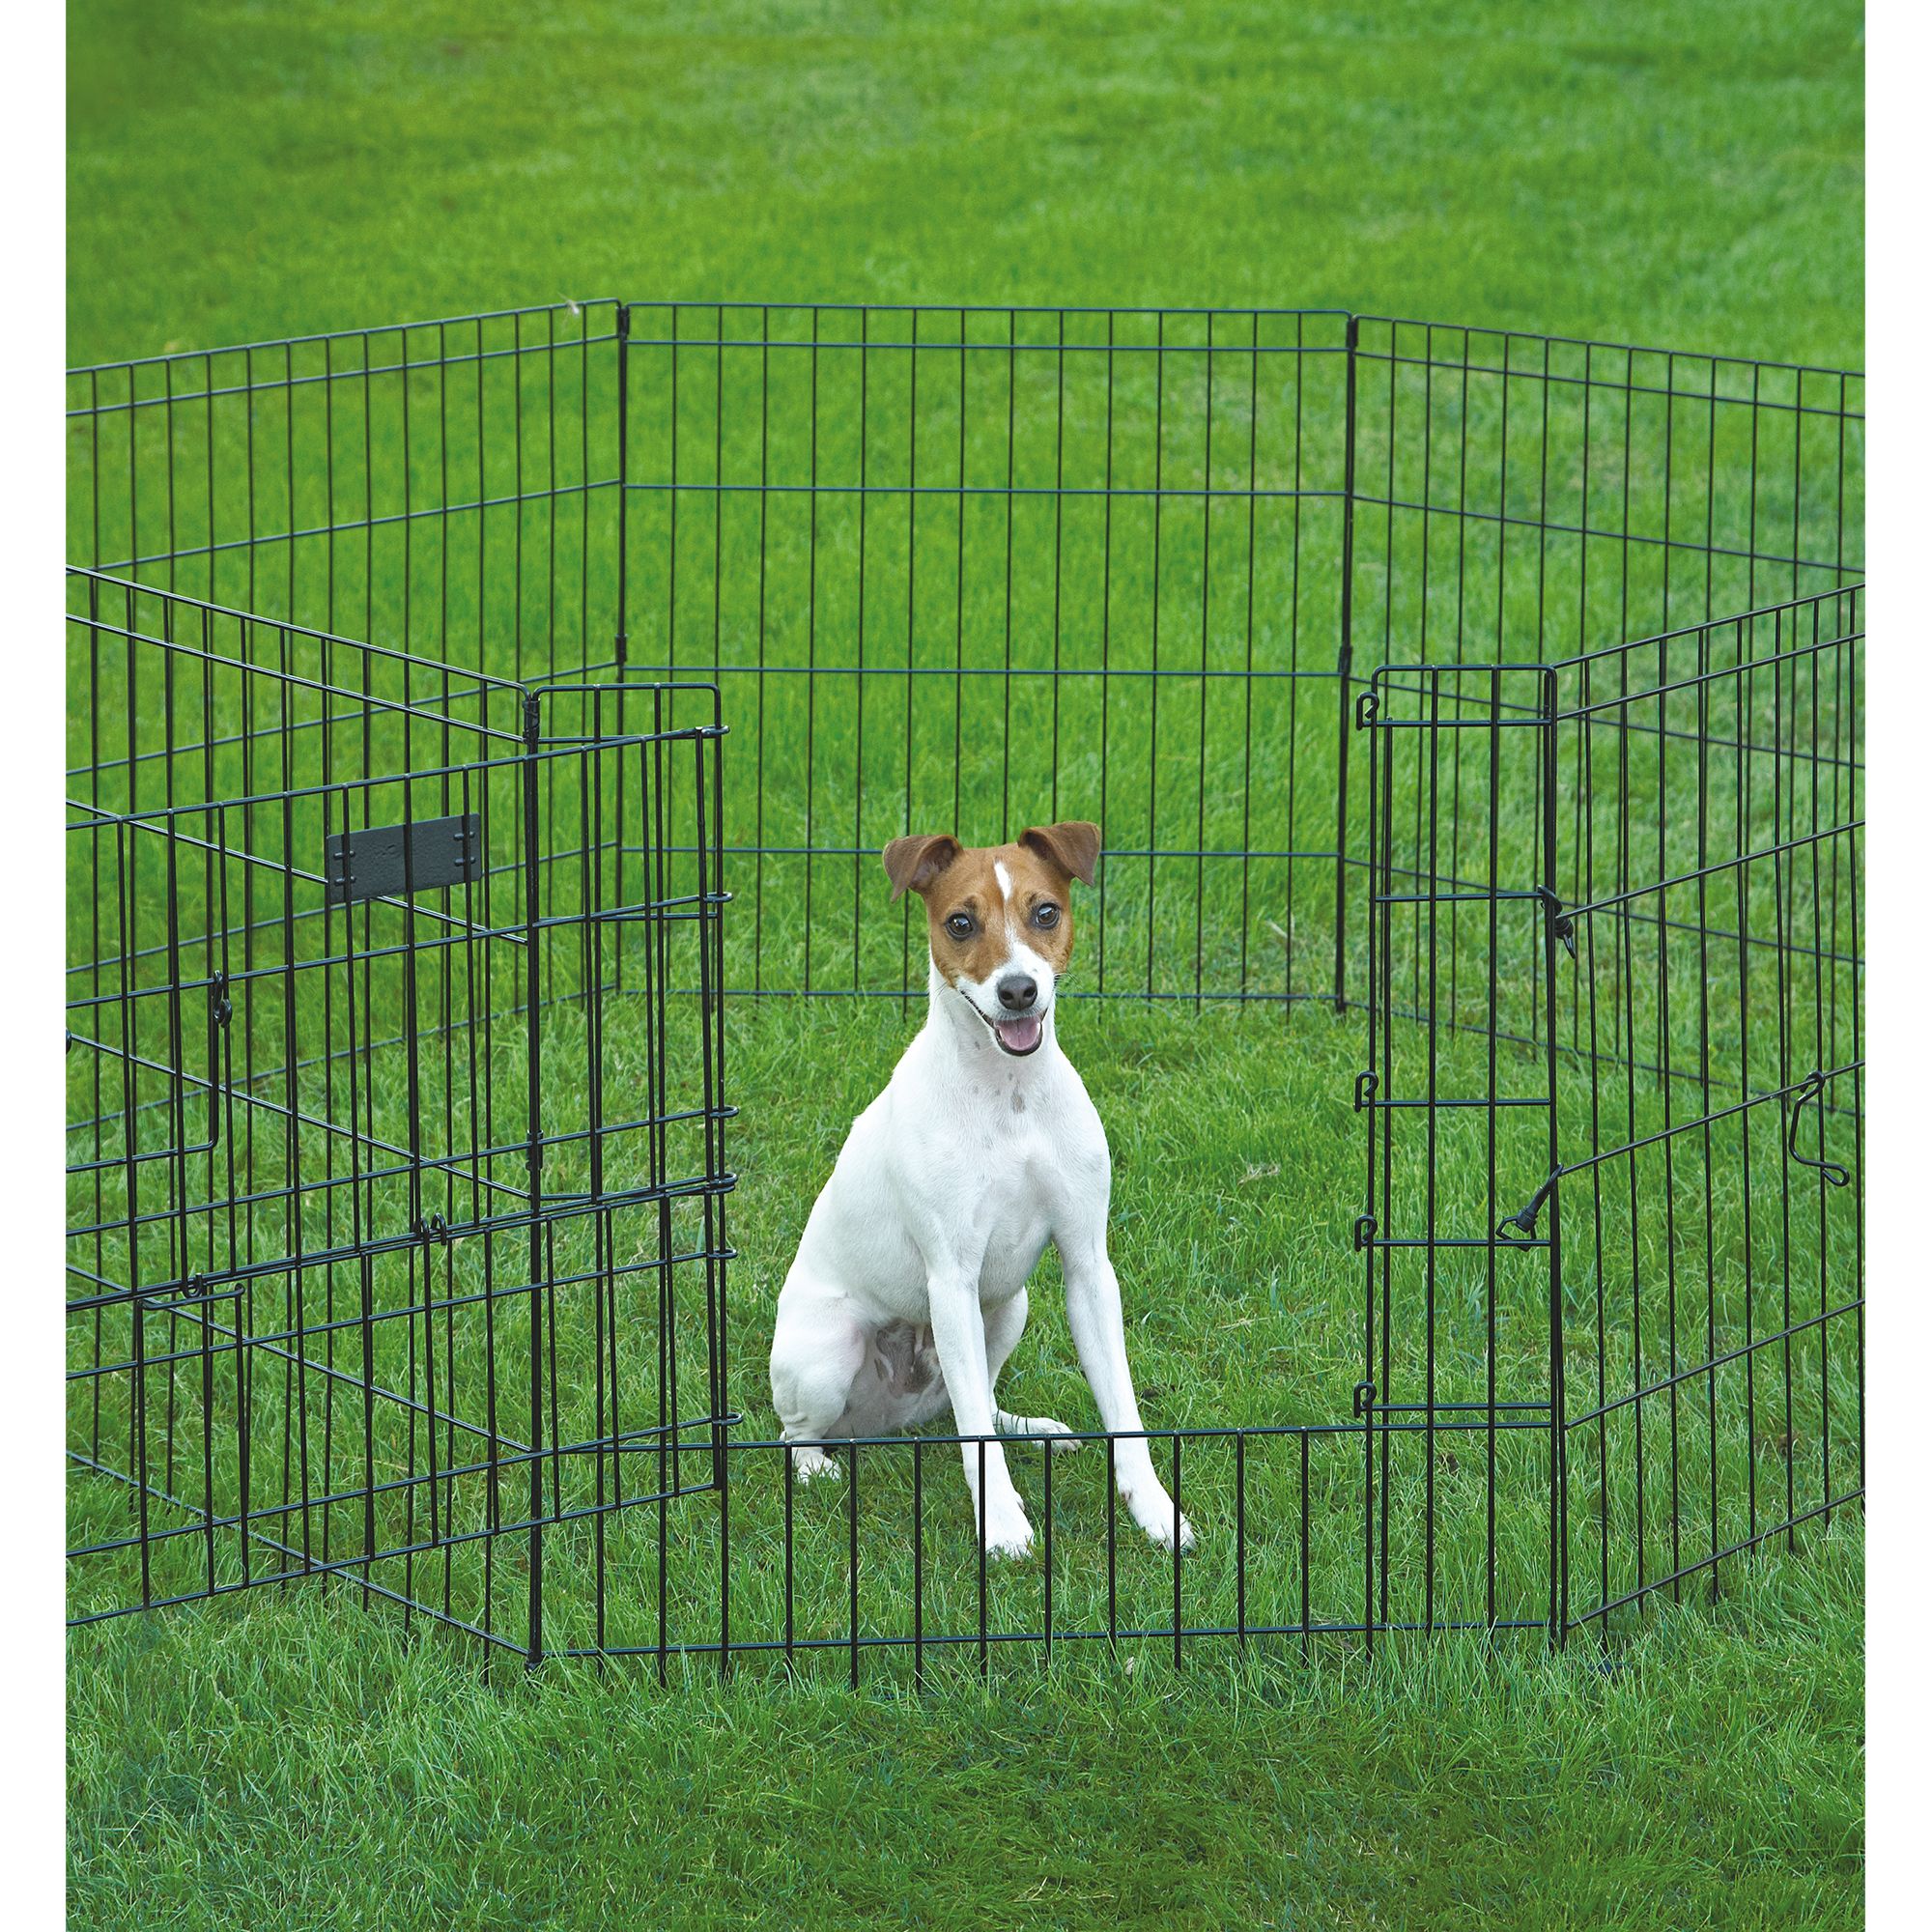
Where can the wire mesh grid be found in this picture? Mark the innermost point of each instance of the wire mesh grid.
(1500, 692)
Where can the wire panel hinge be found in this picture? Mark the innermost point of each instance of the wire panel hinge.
(1811, 1087)
(1560, 922)
(1522, 1224)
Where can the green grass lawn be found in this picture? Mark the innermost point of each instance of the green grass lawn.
(1694, 178)
(299, 1766)
(1298, 1785)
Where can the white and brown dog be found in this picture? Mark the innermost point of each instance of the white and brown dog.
(909, 1288)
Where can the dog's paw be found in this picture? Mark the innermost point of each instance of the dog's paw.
(1157, 1517)
(1062, 1438)
(812, 1465)
(1008, 1533)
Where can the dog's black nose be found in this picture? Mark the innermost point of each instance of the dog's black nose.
(1017, 992)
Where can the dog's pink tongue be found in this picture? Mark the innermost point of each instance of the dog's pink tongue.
(1021, 1036)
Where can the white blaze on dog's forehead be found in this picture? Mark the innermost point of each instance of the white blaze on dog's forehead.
(1005, 878)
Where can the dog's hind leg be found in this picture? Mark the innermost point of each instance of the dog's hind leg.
(819, 1348)
(1004, 1326)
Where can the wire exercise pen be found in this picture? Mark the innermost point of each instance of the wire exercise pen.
(1499, 692)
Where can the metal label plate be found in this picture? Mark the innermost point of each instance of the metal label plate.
(389, 860)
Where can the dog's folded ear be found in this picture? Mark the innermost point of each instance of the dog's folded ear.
(913, 862)
(1072, 845)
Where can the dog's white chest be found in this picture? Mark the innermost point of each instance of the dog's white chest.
(1019, 1223)
(995, 1170)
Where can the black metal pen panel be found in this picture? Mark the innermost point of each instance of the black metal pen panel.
(1459, 1100)
(989, 567)
(443, 487)
(1711, 1011)
(1528, 497)
(1613, 1112)
(381, 1264)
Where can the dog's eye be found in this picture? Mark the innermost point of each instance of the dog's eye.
(1046, 916)
(960, 926)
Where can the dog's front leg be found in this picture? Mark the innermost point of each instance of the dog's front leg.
(1099, 1336)
(959, 1338)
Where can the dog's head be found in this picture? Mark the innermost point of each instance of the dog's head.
(999, 918)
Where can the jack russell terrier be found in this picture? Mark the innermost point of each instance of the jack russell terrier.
(909, 1288)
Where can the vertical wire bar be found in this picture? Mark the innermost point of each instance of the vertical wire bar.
(533, 1072)
(912, 633)
(1822, 950)
(168, 438)
(1302, 1437)
(604, 1312)
(671, 540)
(1780, 784)
(1559, 1536)
(1006, 637)
(1241, 1538)
(724, 1560)
(917, 1564)
(1106, 666)
(1382, 1140)
(1586, 822)
(1626, 989)
(1493, 1215)
(1667, 1091)
(1744, 768)
(1174, 1530)
(711, 1047)
(719, 1088)
(671, 1415)
(1153, 643)
(1059, 531)
(791, 1573)
(1796, 479)
(177, 1043)
(980, 1495)
(1345, 649)
(812, 646)
(622, 641)
(1669, 491)
(1293, 727)
(859, 680)
(1857, 1000)
(852, 1556)
(1462, 599)
(1703, 703)
(1207, 582)
(1046, 1579)
(764, 561)
(959, 587)
(1248, 682)
(1433, 1118)
(1113, 1556)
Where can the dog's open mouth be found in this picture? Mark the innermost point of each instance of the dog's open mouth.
(1020, 1036)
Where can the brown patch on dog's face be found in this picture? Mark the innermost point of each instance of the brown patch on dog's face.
(998, 912)
(990, 900)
